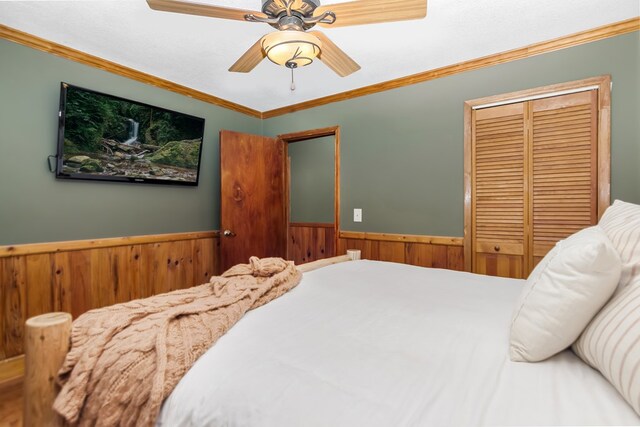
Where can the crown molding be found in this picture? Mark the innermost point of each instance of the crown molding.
(62, 51)
(599, 33)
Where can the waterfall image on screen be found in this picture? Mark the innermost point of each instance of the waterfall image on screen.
(110, 138)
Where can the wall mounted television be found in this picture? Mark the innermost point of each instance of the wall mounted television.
(108, 138)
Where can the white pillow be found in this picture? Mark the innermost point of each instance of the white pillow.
(562, 294)
(621, 222)
(611, 342)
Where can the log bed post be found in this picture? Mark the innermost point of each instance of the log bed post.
(352, 255)
(46, 345)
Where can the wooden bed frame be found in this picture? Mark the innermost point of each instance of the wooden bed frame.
(46, 346)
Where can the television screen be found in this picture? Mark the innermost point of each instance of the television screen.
(104, 137)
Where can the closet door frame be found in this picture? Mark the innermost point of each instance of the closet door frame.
(601, 83)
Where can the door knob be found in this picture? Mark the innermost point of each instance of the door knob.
(496, 248)
(228, 233)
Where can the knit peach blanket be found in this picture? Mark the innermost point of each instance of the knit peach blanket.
(126, 358)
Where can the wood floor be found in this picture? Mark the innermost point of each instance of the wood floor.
(11, 404)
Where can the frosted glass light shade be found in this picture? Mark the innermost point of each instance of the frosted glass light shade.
(292, 49)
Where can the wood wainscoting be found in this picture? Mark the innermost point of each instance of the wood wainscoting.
(311, 241)
(424, 251)
(77, 276)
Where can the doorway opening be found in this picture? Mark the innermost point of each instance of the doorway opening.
(312, 193)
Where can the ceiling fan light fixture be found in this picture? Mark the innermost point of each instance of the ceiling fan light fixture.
(292, 49)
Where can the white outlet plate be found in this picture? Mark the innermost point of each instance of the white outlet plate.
(357, 215)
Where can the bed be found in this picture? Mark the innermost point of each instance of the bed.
(384, 344)
(363, 343)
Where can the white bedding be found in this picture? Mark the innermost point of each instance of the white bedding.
(369, 343)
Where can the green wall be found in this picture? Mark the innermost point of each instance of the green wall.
(35, 207)
(402, 150)
(312, 180)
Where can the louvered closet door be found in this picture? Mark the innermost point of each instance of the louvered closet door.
(498, 205)
(564, 157)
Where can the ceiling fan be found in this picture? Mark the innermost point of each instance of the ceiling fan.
(293, 45)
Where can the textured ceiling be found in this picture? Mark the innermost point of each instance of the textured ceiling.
(197, 51)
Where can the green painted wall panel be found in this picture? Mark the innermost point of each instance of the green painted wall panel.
(35, 207)
(402, 150)
(312, 180)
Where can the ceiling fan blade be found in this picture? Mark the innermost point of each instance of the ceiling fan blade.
(334, 57)
(249, 59)
(373, 11)
(199, 9)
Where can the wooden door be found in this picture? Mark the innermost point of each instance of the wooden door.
(252, 214)
(535, 179)
(499, 181)
(565, 168)
(558, 138)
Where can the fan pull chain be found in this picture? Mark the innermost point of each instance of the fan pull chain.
(293, 84)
